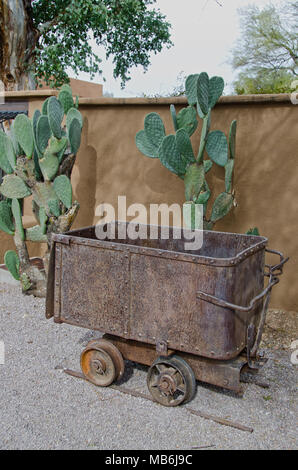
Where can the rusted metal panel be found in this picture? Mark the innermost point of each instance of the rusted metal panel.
(146, 290)
(95, 289)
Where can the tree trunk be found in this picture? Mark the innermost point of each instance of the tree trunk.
(18, 39)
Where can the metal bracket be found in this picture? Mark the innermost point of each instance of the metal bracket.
(162, 348)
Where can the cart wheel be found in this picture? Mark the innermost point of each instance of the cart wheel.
(171, 381)
(102, 363)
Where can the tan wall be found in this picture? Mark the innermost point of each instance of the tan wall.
(82, 88)
(266, 172)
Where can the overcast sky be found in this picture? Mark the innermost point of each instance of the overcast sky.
(203, 34)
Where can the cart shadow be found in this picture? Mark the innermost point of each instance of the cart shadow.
(130, 367)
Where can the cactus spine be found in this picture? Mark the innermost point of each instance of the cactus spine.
(176, 153)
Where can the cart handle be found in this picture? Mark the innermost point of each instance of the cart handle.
(223, 303)
(276, 270)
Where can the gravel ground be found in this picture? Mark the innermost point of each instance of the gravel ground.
(43, 408)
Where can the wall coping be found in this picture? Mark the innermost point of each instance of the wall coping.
(181, 100)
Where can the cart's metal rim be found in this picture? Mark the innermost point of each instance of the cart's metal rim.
(72, 238)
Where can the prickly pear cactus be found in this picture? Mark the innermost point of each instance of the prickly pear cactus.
(37, 157)
(176, 153)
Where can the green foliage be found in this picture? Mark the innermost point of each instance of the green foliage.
(184, 146)
(217, 147)
(176, 153)
(14, 187)
(42, 218)
(25, 281)
(170, 156)
(74, 135)
(54, 207)
(5, 148)
(266, 54)
(268, 82)
(6, 220)
(55, 114)
(24, 134)
(66, 100)
(17, 215)
(187, 119)
(129, 30)
(35, 234)
(49, 165)
(12, 263)
(222, 206)
(146, 141)
(43, 133)
(44, 109)
(253, 231)
(42, 176)
(63, 189)
(72, 114)
(194, 180)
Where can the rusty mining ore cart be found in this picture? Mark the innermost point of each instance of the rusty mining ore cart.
(187, 314)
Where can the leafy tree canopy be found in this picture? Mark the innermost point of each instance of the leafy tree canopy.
(279, 81)
(129, 30)
(267, 53)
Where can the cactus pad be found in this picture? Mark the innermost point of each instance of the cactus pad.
(6, 220)
(154, 129)
(63, 189)
(43, 133)
(221, 207)
(24, 133)
(49, 166)
(55, 115)
(56, 146)
(174, 117)
(5, 164)
(229, 174)
(145, 146)
(45, 107)
(14, 187)
(35, 234)
(194, 180)
(17, 214)
(66, 100)
(54, 207)
(187, 119)
(73, 113)
(184, 146)
(232, 139)
(170, 156)
(12, 263)
(216, 88)
(42, 216)
(217, 147)
(204, 197)
(253, 231)
(207, 165)
(191, 88)
(74, 135)
(203, 92)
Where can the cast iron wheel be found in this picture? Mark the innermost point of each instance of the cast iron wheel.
(171, 381)
(102, 363)
(113, 351)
